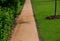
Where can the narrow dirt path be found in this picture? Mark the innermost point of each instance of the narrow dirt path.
(25, 25)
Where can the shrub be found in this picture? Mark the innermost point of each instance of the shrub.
(8, 11)
(22, 2)
(6, 21)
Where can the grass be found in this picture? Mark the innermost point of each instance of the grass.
(49, 30)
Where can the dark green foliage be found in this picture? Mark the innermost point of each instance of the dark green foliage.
(8, 11)
(6, 21)
(22, 2)
(7, 3)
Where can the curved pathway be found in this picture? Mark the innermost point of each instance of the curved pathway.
(25, 29)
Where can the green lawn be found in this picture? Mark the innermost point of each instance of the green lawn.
(49, 30)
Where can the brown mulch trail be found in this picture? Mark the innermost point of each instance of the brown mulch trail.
(25, 29)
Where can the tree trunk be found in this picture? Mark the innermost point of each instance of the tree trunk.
(55, 7)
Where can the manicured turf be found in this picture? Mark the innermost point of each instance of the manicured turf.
(49, 30)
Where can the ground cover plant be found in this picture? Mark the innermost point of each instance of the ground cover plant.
(9, 10)
(49, 30)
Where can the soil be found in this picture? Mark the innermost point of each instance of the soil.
(25, 29)
(53, 17)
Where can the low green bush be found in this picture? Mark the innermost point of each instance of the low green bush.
(22, 2)
(9, 9)
(6, 21)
